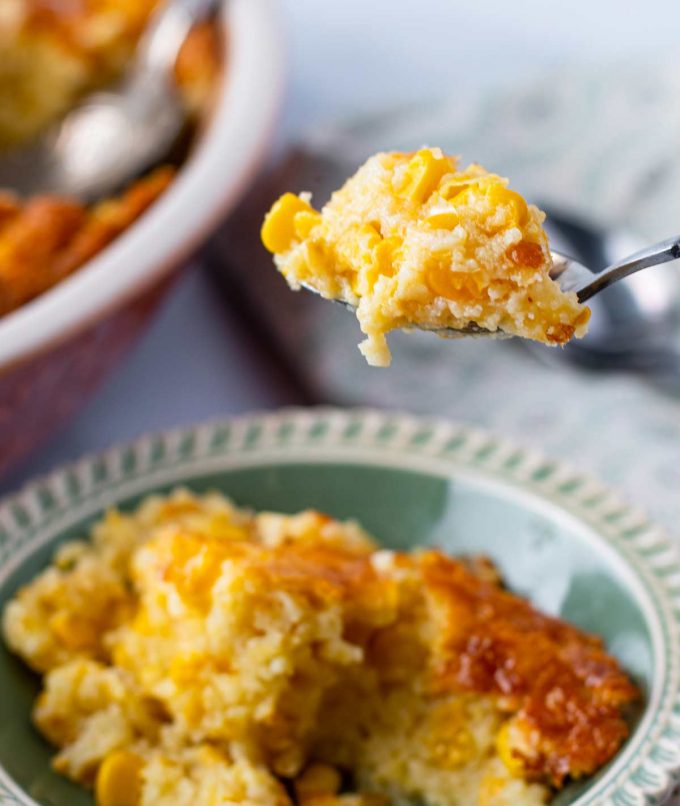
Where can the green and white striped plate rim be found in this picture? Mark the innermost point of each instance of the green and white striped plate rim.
(319, 442)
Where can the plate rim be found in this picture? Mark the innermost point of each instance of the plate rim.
(76, 490)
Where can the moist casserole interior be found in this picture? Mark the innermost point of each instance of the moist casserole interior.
(195, 653)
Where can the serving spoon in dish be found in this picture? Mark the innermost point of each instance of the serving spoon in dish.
(573, 276)
(113, 136)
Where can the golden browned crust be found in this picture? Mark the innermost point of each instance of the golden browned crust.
(75, 22)
(102, 34)
(47, 238)
(566, 691)
(75, 25)
(566, 694)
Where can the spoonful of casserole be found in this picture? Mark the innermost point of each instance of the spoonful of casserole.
(412, 241)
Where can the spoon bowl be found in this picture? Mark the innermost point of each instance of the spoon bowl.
(634, 326)
(112, 137)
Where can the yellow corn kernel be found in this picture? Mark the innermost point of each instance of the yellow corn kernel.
(142, 624)
(450, 188)
(319, 259)
(465, 197)
(449, 743)
(358, 250)
(211, 755)
(304, 222)
(500, 195)
(423, 174)
(74, 631)
(183, 669)
(380, 262)
(278, 229)
(453, 285)
(196, 562)
(472, 176)
(120, 656)
(220, 526)
(367, 240)
(119, 780)
(504, 746)
(385, 254)
(193, 710)
(443, 218)
(318, 779)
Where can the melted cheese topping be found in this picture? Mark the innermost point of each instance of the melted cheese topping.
(412, 240)
(197, 654)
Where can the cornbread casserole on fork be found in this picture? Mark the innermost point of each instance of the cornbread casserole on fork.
(413, 240)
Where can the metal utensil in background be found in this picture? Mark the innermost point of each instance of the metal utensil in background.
(113, 136)
(635, 323)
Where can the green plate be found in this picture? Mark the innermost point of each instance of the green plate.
(570, 545)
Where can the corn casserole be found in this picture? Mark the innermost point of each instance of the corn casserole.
(51, 53)
(196, 654)
(414, 240)
(54, 51)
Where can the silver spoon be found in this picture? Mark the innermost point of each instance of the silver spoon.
(112, 137)
(573, 276)
(634, 326)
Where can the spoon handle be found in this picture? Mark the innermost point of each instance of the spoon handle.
(159, 46)
(661, 252)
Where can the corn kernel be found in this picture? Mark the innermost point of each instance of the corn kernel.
(500, 195)
(453, 285)
(386, 253)
(423, 174)
(449, 742)
(318, 779)
(443, 218)
(184, 669)
(119, 780)
(465, 197)
(450, 188)
(74, 632)
(380, 262)
(304, 222)
(506, 752)
(278, 229)
(221, 527)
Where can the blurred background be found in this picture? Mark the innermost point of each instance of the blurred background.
(578, 104)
